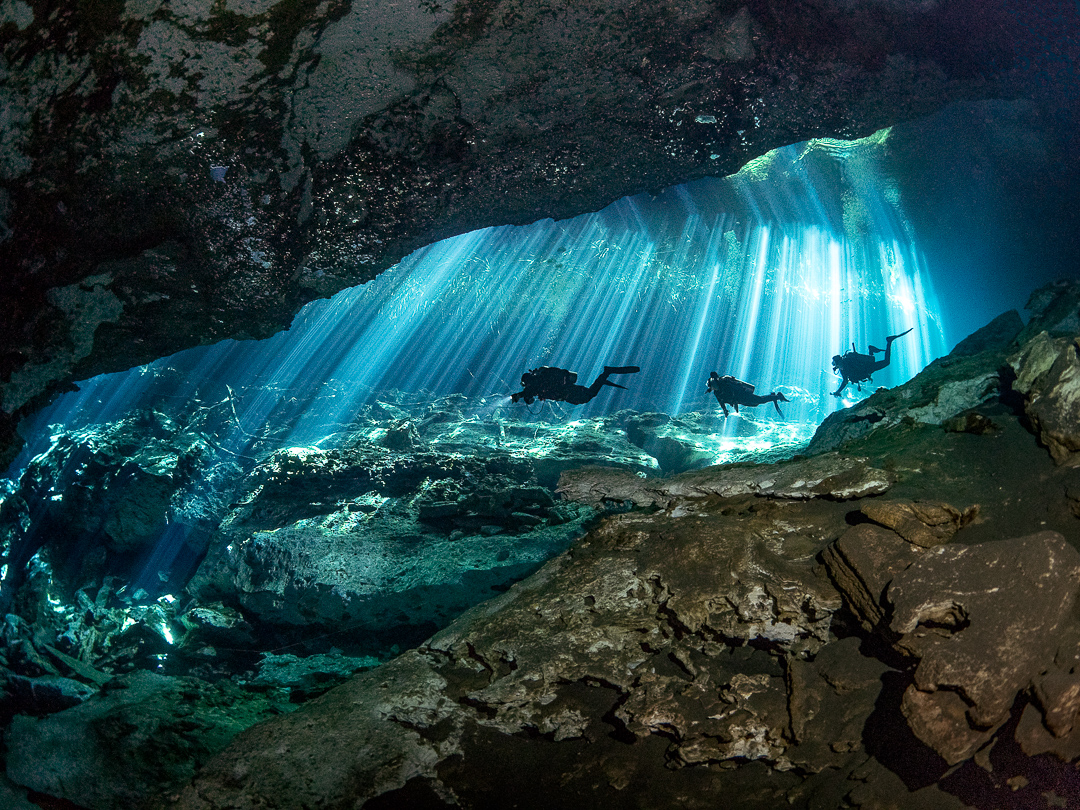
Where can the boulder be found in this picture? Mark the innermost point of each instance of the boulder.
(968, 377)
(861, 563)
(984, 622)
(384, 543)
(1048, 375)
(922, 523)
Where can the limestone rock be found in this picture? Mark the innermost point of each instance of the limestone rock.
(826, 476)
(984, 622)
(311, 674)
(944, 389)
(13, 797)
(666, 442)
(998, 335)
(146, 732)
(921, 523)
(862, 562)
(104, 494)
(666, 639)
(388, 543)
(1048, 374)
(1054, 309)
(829, 699)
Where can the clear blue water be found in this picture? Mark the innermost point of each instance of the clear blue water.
(764, 276)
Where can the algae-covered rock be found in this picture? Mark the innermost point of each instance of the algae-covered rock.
(142, 736)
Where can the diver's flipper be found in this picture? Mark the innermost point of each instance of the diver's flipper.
(621, 370)
(891, 338)
(875, 349)
(615, 385)
(777, 406)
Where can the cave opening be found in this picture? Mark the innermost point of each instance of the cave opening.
(803, 254)
(288, 512)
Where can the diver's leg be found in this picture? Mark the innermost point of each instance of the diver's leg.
(579, 394)
(598, 383)
(884, 361)
(888, 348)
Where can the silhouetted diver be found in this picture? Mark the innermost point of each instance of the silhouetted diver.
(548, 382)
(731, 391)
(856, 368)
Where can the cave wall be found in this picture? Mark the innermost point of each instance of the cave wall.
(175, 173)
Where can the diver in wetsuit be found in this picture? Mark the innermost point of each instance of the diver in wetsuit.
(856, 368)
(548, 382)
(730, 391)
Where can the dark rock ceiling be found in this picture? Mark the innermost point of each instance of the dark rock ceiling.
(175, 173)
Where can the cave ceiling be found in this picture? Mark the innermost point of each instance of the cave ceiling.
(176, 173)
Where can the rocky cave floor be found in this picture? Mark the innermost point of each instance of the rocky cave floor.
(449, 610)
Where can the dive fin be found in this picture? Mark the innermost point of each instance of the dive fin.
(875, 349)
(615, 385)
(621, 370)
(891, 338)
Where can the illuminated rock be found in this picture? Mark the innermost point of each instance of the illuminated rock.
(1048, 375)
(828, 475)
(622, 639)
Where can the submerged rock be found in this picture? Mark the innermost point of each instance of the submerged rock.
(1048, 376)
(666, 640)
(830, 476)
(984, 622)
(103, 496)
(143, 736)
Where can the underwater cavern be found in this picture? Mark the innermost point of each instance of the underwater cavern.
(284, 523)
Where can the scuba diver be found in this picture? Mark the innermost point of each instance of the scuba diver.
(730, 391)
(548, 382)
(856, 368)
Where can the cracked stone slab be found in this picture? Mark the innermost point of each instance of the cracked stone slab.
(922, 523)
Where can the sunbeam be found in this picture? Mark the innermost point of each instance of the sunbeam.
(764, 276)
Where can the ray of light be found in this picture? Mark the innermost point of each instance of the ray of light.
(679, 287)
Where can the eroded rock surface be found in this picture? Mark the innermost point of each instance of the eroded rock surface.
(984, 622)
(1048, 375)
(662, 626)
(148, 731)
(828, 476)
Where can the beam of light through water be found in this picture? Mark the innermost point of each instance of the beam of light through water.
(679, 286)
